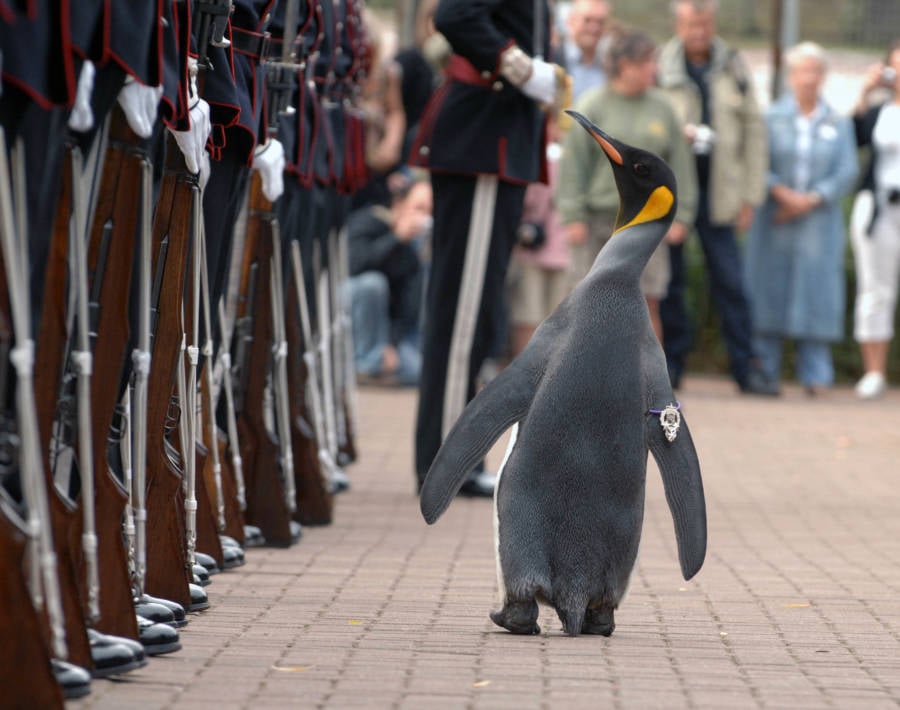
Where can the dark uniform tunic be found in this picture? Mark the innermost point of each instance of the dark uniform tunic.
(483, 141)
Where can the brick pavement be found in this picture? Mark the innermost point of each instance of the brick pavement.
(797, 606)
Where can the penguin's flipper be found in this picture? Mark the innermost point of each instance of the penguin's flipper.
(497, 407)
(680, 470)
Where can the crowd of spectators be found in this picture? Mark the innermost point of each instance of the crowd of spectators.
(762, 190)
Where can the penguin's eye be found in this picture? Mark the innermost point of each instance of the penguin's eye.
(641, 169)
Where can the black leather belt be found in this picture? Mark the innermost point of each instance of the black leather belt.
(251, 44)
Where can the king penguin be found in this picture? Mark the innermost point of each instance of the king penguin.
(587, 399)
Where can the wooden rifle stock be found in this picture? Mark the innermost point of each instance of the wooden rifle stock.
(50, 363)
(234, 516)
(25, 671)
(207, 530)
(259, 446)
(315, 500)
(110, 252)
(167, 566)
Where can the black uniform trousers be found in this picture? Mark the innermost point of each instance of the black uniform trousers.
(222, 201)
(461, 318)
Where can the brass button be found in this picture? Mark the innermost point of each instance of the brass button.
(424, 150)
(485, 75)
(497, 86)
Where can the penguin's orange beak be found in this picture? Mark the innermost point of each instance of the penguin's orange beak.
(606, 142)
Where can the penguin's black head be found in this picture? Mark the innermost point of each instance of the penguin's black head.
(645, 182)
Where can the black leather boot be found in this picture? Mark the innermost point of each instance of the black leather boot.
(253, 536)
(207, 561)
(111, 656)
(74, 681)
(178, 616)
(199, 600)
(157, 639)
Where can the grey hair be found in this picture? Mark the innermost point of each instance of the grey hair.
(803, 50)
(631, 45)
(696, 5)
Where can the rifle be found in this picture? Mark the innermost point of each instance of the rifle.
(167, 573)
(50, 362)
(264, 451)
(212, 480)
(187, 386)
(326, 358)
(109, 261)
(25, 659)
(321, 491)
(170, 507)
(213, 19)
(135, 449)
(44, 584)
(344, 368)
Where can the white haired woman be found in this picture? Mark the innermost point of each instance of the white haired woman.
(795, 248)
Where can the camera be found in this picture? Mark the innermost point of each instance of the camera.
(888, 76)
(702, 138)
(531, 235)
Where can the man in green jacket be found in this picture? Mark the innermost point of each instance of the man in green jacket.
(630, 109)
(713, 94)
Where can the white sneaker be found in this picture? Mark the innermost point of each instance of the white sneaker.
(871, 386)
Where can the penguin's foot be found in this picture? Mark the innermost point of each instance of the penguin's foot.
(598, 622)
(518, 617)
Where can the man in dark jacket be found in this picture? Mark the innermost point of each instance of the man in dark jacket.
(482, 136)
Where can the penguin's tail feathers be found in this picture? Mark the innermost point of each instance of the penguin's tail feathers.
(497, 407)
(572, 618)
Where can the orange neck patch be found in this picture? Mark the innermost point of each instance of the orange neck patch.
(658, 205)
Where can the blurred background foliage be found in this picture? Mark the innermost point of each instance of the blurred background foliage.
(856, 23)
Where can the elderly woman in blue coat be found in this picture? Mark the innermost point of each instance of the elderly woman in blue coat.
(795, 249)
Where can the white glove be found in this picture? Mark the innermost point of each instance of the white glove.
(534, 77)
(268, 159)
(541, 85)
(192, 142)
(140, 104)
(82, 117)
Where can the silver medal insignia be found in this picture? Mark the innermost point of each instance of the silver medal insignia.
(670, 421)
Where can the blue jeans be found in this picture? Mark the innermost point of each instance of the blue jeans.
(726, 282)
(814, 365)
(369, 297)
